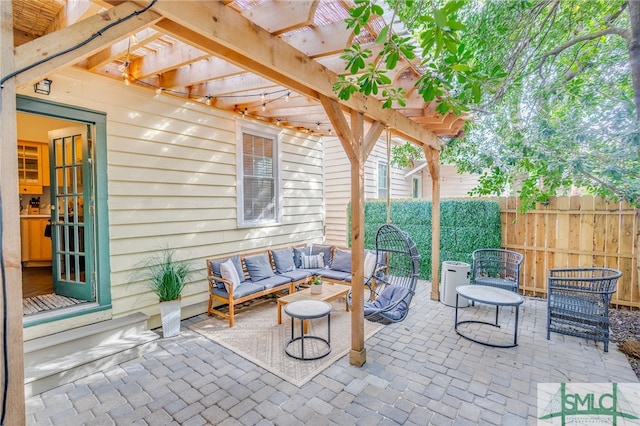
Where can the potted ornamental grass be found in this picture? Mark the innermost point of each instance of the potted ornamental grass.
(166, 278)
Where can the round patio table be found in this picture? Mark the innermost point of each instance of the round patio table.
(490, 296)
(306, 310)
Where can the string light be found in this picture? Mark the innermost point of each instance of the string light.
(262, 98)
(207, 100)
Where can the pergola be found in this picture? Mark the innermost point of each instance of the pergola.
(271, 60)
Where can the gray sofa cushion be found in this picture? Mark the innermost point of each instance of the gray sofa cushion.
(319, 248)
(259, 267)
(336, 275)
(274, 281)
(297, 255)
(244, 289)
(298, 274)
(341, 260)
(283, 260)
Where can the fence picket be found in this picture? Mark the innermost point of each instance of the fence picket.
(574, 232)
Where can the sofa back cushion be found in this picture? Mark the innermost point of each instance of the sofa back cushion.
(341, 260)
(298, 253)
(326, 250)
(259, 267)
(283, 259)
(314, 261)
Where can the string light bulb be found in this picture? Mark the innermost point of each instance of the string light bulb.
(318, 125)
(278, 122)
(207, 100)
(264, 107)
(286, 98)
(125, 78)
(262, 98)
(159, 90)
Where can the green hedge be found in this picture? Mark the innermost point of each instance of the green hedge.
(465, 225)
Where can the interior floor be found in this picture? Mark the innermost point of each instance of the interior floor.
(37, 281)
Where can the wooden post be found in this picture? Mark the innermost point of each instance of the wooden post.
(433, 160)
(358, 353)
(11, 307)
(357, 146)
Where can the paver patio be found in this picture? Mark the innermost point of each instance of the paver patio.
(417, 372)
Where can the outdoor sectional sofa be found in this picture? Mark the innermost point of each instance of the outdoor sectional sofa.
(240, 278)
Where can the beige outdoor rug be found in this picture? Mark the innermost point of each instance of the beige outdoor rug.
(257, 337)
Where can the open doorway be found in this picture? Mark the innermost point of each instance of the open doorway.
(54, 175)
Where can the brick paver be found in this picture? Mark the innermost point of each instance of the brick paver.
(417, 372)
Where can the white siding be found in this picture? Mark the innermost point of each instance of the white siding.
(172, 183)
(452, 184)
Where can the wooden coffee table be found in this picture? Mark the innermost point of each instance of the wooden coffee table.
(330, 292)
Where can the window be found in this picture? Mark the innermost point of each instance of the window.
(383, 172)
(258, 176)
(416, 188)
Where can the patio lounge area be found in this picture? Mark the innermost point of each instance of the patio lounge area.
(417, 372)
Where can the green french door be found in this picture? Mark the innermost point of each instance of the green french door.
(72, 217)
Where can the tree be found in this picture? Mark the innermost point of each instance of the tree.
(553, 87)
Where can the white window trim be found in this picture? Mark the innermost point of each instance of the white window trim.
(380, 161)
(258, 129)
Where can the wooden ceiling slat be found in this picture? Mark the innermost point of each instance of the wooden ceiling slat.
(282, 16)
(223, 32)
(28, 54)
(321, 41)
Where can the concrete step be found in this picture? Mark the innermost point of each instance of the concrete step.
(61, 358)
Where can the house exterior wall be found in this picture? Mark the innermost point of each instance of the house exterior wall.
(171, 166)
(452, 183)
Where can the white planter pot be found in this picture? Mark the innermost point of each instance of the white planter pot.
(170, 315)
(316, 289)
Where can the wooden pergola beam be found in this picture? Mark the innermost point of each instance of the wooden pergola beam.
(218, 29)
(66, 38)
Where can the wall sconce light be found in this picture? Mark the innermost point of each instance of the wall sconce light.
(43, 87)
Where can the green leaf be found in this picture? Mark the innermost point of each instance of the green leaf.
(439, 17)
(383, 34)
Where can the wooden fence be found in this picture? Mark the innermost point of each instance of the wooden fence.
(571, 232)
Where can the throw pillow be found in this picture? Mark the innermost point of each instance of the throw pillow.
(298, 253)
(259, 267)
(284, 260)
(327, 250)
(315, 261)
(215, 267)
(341, 260)
(228, 272)
(369, 264)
